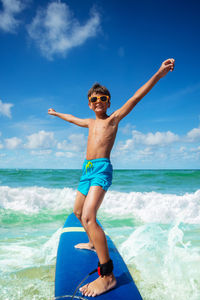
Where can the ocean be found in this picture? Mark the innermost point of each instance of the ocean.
(153, 217)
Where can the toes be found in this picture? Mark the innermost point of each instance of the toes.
(83, 288)
(88, 292)
(85, 293)
(91, 294)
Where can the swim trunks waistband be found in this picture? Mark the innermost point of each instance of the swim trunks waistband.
(97, 160)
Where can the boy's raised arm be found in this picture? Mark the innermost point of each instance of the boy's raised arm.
(70, 118)
(167, 65)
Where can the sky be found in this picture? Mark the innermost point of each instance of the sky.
(52, 52)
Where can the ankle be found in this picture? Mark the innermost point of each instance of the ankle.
(109, 277)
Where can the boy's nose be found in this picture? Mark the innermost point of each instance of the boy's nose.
(98, 100)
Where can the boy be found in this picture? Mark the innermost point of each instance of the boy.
(97, 171)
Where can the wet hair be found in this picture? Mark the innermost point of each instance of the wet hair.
(98, 89)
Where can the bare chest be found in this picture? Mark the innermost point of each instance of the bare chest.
(102, 131)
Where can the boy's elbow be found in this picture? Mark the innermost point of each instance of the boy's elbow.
(70, 119)
(135, 98)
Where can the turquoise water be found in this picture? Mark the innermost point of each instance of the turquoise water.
(153, 217)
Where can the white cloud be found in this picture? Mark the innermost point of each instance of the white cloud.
(64, 154)
(127, 145)
(197, 149)
(41, 152)
(150, 139)
(159, 148)
(56, 31)
(5, 109)
(11, 8)
(182, 149)
(75, 143)
(158, 138)
(194, 135)
(127, 129)
(145, 153)
(1, 145)
(42, 139)
(12, 143)
(59, 154)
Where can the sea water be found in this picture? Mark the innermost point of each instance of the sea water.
(153, 217)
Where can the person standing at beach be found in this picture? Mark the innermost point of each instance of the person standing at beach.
(97, 171)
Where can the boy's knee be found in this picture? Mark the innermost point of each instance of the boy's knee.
(78, 213)
(87, 220)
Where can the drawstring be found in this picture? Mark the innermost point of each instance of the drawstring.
(89, 165)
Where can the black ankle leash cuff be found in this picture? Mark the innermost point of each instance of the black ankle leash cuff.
(105, 269)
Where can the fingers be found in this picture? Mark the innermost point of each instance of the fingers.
(51, 110)
(169, 61)
(172, 67)
(169, 64)
(172, 64)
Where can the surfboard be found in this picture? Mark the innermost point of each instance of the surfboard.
(74, 264)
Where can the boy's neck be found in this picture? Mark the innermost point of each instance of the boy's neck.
(101, 116)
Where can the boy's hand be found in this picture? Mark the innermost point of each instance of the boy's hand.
(52, 112)
(167, 65)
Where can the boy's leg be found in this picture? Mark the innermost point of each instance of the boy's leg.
(97, 235)
(78, 208)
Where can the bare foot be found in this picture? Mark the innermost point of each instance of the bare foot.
(99, 286)
(87, 246)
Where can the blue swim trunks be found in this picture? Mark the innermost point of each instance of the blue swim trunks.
(95, 172)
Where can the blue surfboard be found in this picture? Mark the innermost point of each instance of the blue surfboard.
(74, 264)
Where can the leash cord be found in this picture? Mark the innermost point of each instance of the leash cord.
(82, 282)
(77, 286)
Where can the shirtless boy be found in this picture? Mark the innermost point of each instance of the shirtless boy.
(97, 171)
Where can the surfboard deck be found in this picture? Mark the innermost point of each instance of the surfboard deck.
(74, 264)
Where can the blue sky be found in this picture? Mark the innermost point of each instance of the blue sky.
(51, 52)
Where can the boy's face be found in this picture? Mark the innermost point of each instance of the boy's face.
(99, 106)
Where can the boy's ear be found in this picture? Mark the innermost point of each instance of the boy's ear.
(108, 105)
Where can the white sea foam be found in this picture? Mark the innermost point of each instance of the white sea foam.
(33, 199)
(155, 207)
(168, 268)
(147, 207)
(22, 254)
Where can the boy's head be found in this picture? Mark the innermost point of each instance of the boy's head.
(98, 89)
(99, 98)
